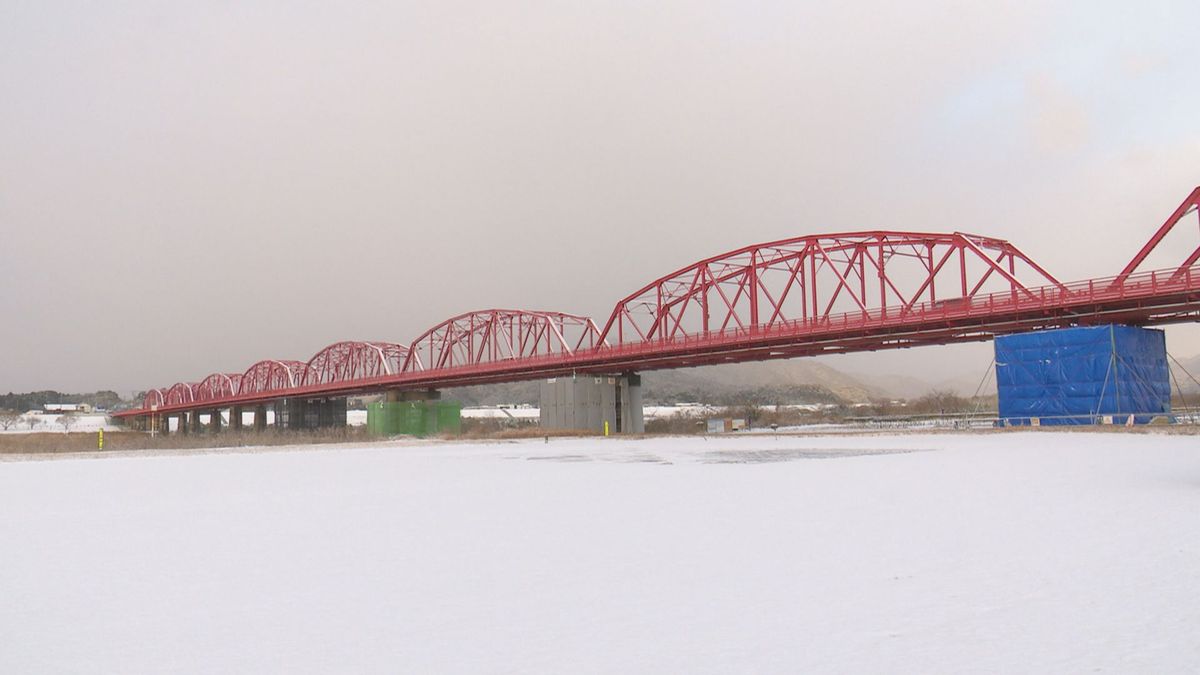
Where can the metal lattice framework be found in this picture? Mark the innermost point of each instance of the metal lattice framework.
(217, 386)
(807, 280)
(1189, 205)
(154, 399)
(806, 295)
(348, 361)
(493, 335)
(271, 375)
(180, 393)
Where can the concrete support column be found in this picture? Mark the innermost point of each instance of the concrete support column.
(214, 421)
(235, 418)
(194, 417)
(593, 403)
(183, 427)
(632, 420)
(260, 417)
(332, 413)
(291, 413)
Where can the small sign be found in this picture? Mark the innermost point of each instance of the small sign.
(100, 440)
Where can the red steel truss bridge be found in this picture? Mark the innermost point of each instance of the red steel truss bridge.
(814, 294)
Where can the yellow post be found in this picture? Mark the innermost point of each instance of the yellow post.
(100, 440)
(605, 427)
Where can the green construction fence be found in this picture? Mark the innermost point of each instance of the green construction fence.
(414, 418)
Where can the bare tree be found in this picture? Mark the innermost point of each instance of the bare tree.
(8, 419)
(66, 420)
(940, 401)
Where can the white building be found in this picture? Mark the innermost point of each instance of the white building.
(67, 408)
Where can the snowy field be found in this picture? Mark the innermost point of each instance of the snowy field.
(1000, 552)
(50, 423)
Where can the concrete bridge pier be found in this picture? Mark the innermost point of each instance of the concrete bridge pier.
(194, 418)
(235, 418)
(182, 425)
(289, 413)
(260, 417)
(597, 403)
(214, 421)
(331, 413)
(321, 413)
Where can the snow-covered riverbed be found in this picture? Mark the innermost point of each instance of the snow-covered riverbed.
(1018, 552)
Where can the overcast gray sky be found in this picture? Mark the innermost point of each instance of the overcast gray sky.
(189, 187)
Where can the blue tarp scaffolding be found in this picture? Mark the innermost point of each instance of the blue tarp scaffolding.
(1086, 375)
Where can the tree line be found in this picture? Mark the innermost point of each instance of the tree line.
(35, 400)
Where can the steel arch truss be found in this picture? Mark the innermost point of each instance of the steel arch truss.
(271, 375)
(349, 361)
(180, 393)
(218, 386)
(1189, 205)
(807, 281)
(154, 399)
(494, 335)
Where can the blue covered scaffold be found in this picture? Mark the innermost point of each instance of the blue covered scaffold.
(1108, 374)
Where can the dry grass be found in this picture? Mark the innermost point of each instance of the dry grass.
(502, 429)
(124, 441)
(119, 441)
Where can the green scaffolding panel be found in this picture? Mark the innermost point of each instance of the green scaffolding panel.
(448, 417)
(414, 418)
(380, 419)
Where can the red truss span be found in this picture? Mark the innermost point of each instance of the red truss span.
(814, 294)
(217, 386)
(349, 361)
(269, 377)
(809, 280)
(496, 335)
(180, 393)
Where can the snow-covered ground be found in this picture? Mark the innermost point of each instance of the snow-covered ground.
(1010, 552)
(51, 423)
(524, 412)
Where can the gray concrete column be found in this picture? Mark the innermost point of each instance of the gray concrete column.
(632, 418)
(290, 413)
(593, 403)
